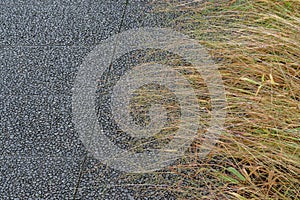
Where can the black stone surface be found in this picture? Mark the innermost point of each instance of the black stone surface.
(42, 44)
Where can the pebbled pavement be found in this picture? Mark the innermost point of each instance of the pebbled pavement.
(42, 44)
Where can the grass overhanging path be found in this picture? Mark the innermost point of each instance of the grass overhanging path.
(256, 45)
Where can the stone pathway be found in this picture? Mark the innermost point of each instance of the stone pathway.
(42, 45)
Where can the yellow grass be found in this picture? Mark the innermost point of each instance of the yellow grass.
(256, 45)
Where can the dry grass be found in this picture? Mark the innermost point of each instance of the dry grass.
(256, 45)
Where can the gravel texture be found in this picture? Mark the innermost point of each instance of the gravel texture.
(42, 44)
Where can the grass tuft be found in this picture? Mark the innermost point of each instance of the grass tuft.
(256, 45)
